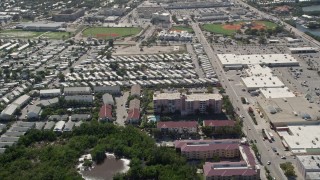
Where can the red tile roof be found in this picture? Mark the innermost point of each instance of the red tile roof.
(218, 123)
(177, 124)
(105, 111)
(133, 114)
(206, 145)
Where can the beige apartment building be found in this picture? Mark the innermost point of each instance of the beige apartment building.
(187, 103)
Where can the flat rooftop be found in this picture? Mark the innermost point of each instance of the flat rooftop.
(257, 70)
(310, 162)
(273, 59)
(290, 111)
(267, 81)
(276, 92)
(302, 139)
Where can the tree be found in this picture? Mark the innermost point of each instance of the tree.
(110, 43)
(61, 77)
(262, 40)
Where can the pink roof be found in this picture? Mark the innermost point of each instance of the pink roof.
(105, 111)
(177, 124)
(218, 123)
(133, 114)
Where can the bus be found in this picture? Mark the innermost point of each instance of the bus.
(285, 145)
(266, 135)
(271, 136)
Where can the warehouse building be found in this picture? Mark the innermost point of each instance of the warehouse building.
(42, 26)
(50, 92)
(68, 15)
(289, 111)
(276, 92)
(301, 139)
(299, 50)
(77, 90)
(309, 166)
(234, 61)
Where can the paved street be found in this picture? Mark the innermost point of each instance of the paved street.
(121, 108)
(264, 149)
(195, 61)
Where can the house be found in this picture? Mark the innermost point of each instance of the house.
(218, 124)
(58, 118)
(49, 125)
(105, 113)
(135, 90)
(178, 126)
(68, 126)
(22, 100)
(133, 115)
(108, 99)
(8, 112)
(134, 104)
(34, 113)
(80, 117)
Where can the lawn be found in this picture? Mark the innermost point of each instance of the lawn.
(183, 28)
(268, 24)
(56, 35)
(110, 32)
(218, 29)
(17, 33)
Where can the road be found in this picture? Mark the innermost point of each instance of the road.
(264, 149)
(121, 108)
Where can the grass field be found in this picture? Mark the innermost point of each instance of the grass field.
(17, 33)
(218, 29)
(183, 28)
(268, 24)
(110, 32)
(56, 35)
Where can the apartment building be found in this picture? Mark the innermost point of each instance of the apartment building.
(77, 90)
(187, 104)
(219, 124)
(178, 126)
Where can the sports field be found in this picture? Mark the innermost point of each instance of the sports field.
(110, 32)
(231, 28)
(183, 28)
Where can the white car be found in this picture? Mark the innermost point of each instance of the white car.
(268, 162)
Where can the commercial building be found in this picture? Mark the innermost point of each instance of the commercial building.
(292, 40)
(257, 82)
(187, 104)
(113, 11)
(178, 126)
(301, 139)
(50, 92)
(234, 61)
(276, 93)
(309, 166)
(105, 113)
(303, 50)
(42, 26)
(289, 111)
(77, 90)
(218, 124)
(196, 5)
(108, 99)
(161, 17)
(68, 15)
(107, 89)
(80, 98)
(146, 12)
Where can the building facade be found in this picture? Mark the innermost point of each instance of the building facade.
(178, 126)
(187, 104)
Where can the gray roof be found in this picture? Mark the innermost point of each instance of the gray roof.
(77, 89)
(2, 126)
(69, 126)
(135, 90)
(22, 100)
(110, 89)
(3, 144)
(14, 134)
(24, 124)
(50, 91)
(108, 99)
(40, 125)
(41, 24)
(10, 109)
(78, 124)
(79, 117)
(35, 109)
(9, 139)
(49, 102)
(58, 117)
(49, 125)
(19, 129)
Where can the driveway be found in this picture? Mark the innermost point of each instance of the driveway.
(121, 108)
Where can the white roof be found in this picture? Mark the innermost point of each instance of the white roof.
(276, 92)
(50, 91)
(10, 109)
(257, 70)
(303, 49)
(21, 100)
(255, 82)
(302, 137)
(310, 162)
(59, 126)
(233, 59)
